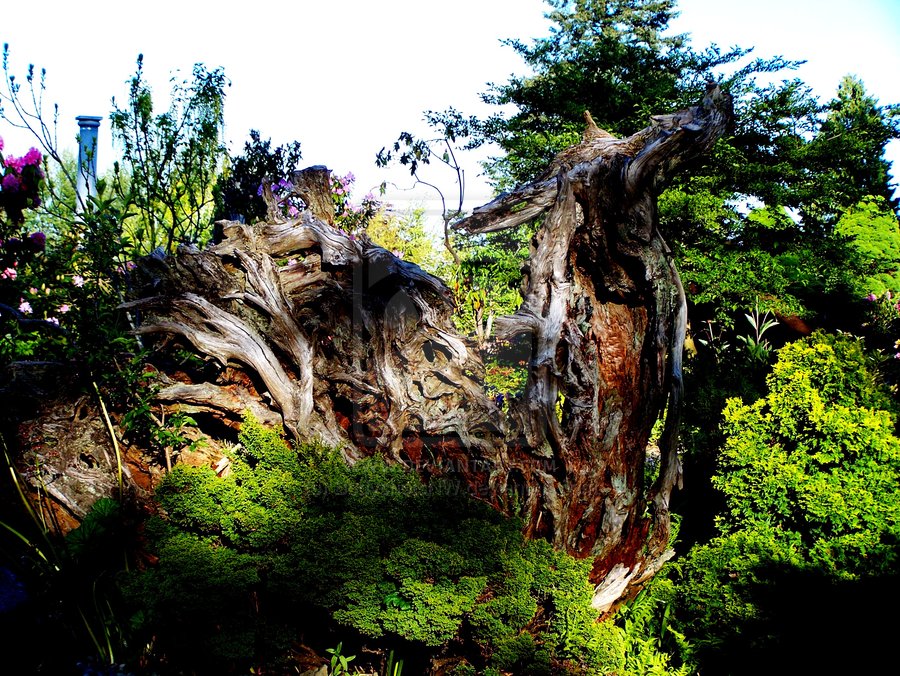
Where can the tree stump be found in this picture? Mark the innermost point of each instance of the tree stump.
(352, 346)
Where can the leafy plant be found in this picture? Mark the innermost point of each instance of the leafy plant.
(758, 347)
(66, 584)
(339, 663)
(393, 667)
(238, 192)
(171, 159)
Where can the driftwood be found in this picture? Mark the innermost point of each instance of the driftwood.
(353, 346)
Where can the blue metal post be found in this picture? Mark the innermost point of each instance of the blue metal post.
(87, 157)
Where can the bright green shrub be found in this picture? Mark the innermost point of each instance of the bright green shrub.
(811, 478)
(815, 460)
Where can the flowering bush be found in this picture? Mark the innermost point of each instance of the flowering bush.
(882, 313)
(21, 179)
(20, 183)
(37, 287)
(348, 216)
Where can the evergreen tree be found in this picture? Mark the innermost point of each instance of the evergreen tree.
(847, 154)
(612, 57)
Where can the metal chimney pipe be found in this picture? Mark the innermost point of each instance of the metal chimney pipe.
(87, 158)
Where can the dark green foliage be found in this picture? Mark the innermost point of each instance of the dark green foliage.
(762, 255)
(848, 151)
(786, 151)
(293, 533)
(238, 195)
(613, 57)
(751, 604)
(488, 279)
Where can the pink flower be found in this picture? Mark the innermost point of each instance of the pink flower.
(63, 309)
(1, 143)
(32, 290)
(32, 157)
(9, 273)
(53, 320)
(78, 280)
(15, 163)
(872, 297)
(24, 307)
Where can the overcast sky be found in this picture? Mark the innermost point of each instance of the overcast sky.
(344, 78)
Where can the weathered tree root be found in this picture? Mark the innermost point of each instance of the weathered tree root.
(355, 347)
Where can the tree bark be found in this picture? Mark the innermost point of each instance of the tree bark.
(352, 346)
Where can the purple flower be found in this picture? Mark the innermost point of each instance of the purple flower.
(11, 182)
(64, 308)
(78, 280)
(53, 320)
(24, 307)
(38, 240)
(1, 143)
(872, 297)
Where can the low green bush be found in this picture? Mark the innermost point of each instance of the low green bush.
(252, 561)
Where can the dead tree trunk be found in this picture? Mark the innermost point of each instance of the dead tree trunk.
(355, 347)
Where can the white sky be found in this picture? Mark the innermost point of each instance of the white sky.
(344, 78)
